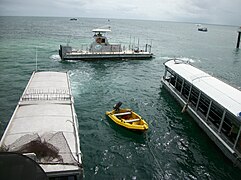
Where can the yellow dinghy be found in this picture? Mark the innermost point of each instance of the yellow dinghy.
(127, 118)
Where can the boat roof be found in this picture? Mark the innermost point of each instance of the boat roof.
(46, 111)
(224, 94)
(101, 30)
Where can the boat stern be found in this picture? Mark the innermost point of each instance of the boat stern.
(63, 50)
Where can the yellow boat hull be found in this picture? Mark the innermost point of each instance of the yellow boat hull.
(128, 119)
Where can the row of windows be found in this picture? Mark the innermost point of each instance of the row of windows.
(219, 120)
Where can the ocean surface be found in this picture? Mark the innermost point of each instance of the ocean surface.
(174, 147)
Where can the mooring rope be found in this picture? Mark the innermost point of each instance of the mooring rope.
(154, 157)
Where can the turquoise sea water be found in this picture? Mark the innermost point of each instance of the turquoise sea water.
(174, 147)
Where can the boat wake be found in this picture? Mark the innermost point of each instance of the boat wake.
(55, 57)
(181, 58)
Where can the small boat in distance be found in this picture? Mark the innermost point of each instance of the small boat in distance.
(127, 118)
(73, 19)
(202, 28)
(100, 48)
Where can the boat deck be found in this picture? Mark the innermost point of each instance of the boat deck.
(45, 114)
(86, 55)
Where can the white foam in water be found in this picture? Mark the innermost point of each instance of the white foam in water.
(181, 58)
(188, 60)
(55, 57)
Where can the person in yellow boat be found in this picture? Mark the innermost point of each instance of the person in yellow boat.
(117, 106)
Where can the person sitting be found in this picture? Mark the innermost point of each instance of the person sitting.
(117, 106)
(233, 132)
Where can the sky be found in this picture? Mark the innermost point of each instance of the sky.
(226, 12)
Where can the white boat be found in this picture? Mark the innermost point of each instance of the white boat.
(202, 28)
(214, 105)
(100, 48)
(44, 126)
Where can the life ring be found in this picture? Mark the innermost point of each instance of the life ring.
(98, 40)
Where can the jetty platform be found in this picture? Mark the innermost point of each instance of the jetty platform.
(44, 126)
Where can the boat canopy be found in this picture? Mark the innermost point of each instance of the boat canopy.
(101, 30)
(224, 94)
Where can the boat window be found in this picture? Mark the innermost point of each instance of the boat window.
(179, 83)
(203, 104)
(170, 76)
(170, 71)
(215, 114)
(194, 96)
(230, 127)
(172, 79)
(227, 125)
(238, 145)
(186, 89)
(98, 40)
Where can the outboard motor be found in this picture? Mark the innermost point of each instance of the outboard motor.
(117, 106)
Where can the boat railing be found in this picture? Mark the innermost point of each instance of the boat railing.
(47, 91)
(45, 95)
(85, 49)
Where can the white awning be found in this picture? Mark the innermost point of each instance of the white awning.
(101, 30)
